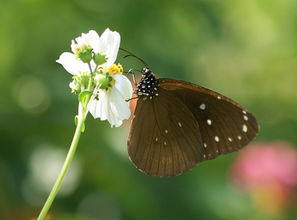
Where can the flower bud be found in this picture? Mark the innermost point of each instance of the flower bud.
(74, 86)
(80, 82)
(84, 52)
(100, 59)
(104, 80)
(84, 79)
(86, 55)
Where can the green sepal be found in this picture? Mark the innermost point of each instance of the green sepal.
(84, 97)
(99, 59)
(85, 55)
(76, 120)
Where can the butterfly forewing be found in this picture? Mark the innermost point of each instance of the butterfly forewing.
(164, 137)
(225, 126)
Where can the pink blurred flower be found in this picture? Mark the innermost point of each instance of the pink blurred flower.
(268, 172)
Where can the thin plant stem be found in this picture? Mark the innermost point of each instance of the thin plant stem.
(64, 169)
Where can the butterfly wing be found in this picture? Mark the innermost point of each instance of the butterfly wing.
(225, 126)
(184, 125)
(164, 138)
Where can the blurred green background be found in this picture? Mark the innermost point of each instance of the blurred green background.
(246, 50)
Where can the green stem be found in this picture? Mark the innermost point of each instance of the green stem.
(65, 167)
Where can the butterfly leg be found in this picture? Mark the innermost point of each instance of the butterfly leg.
(127, 100)
(130, 71)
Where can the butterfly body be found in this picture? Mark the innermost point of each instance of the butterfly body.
(179, 124)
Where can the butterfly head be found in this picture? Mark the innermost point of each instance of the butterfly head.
(145, 72)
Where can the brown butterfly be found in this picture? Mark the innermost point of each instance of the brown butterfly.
(177, 124)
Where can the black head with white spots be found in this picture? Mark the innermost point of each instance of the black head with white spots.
(148, 85)
(145, 72)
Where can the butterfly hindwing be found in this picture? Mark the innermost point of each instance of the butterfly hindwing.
(164, 137)
(225, 126)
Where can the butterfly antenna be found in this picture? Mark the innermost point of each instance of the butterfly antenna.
(133, 55)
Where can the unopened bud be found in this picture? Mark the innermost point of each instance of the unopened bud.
(100, 59)
(85, 55)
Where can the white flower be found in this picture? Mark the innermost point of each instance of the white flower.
(109, 103)
(112, 104)
(108, 44)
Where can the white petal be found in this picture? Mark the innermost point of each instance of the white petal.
(92, 107)
(73, 46)
(109, 45)
(72, 85)
(72, 64)
(111, 106)
(78, 41)
(123, 85)
(120, 109)
(92, 38)
(99, 108)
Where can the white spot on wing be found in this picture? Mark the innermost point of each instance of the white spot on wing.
(219, 97)
(202, 106)
(245, 118)
(208, 121)
(244, 112)
(180, 124)
(166, 131)
(217, 139)
(229, 139)
(165, 143)
(244, 128)
(239, 137)
(205, 145)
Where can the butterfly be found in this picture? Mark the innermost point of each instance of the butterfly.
(177, 124)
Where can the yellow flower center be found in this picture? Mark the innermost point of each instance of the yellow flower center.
(115, 69)
(105, 78)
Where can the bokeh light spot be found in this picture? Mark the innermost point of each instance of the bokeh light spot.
(31, 94)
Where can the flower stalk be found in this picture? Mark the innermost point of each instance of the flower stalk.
(67, 162)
